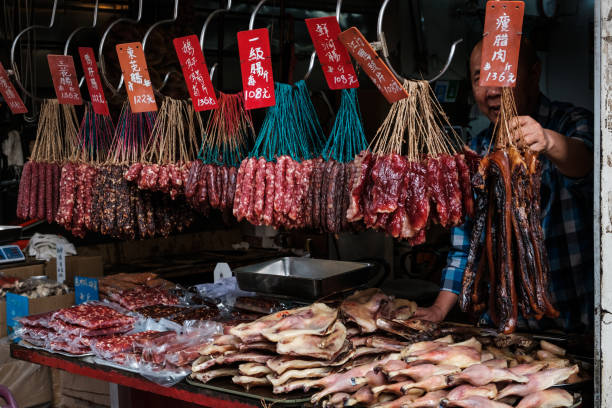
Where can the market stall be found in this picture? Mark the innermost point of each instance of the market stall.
(251, 238)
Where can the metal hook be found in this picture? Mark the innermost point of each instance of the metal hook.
(213, 69)
(146, 37)
(311, 64)
(78, 29)
(14, 45)
(254, 14)
(101, 48)
(381, 39)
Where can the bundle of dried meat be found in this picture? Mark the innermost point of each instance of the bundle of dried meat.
(414, 174)
(77, 182)
(512, 260)
(212, 178)
(166, 161)
(143, 296)
(272, 186)
(56, 136)
(120, 208)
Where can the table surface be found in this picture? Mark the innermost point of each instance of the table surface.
(181, 391)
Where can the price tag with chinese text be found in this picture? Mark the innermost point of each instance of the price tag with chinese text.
(373, 65)
(16, 306)
(334, 58)
(60, 263)
(85, 289)
(65, 79)
(136, 77)
(256, 67)
(195, 72)
(10, 95)
(501, 43)
(92, 77)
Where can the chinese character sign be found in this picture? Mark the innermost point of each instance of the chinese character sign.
(136, 77)
(334, 58)
(10, 95)
(65, 79)
(256, 67)
(373, 65)
(501, 43)
(85, 289)
(195, 72)
(92, 77)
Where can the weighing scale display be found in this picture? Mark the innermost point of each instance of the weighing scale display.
(10, 253)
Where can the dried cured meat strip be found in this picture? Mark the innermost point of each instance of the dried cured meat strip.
(133, 173)
(259, 197)
(280, 184)
(231, 186)
(387, 174)
(89, 182)
(176, 176)
(346, 194)
(213, 187)
(307, 204)
(318, 174)
(338, 199)
(417, 199)
(466, 185)
(362, 165)
(289, 187)
(67, 195)
(238, 190)
(57, 172)
(66, 329)
(163, 179)
(268, 211)
(304, 182)
(295, 196)
(224, 173)
(332, 188)
(23, 197)
(42, 184)
(93, 316)
(191, 184)
(450, 182)
(48, 198)
(246, 201)
(436, 191)
(33, 204)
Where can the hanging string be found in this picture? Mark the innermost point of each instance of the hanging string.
(347, 138)
(95, 136)
(131, 137)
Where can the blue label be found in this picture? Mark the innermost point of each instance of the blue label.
(16, 306)
(85, 289)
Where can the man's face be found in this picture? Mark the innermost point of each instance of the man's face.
(488, 99)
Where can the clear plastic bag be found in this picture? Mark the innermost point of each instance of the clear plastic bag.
(224, 292)
(38, 320)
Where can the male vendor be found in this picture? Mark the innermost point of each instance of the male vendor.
(563, 135)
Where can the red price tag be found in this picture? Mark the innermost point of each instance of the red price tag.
(136, 77)
(256, 67)
(195, 72)
(92, 77)
(373, 65)
(334, 58)
(65, 79)
(501, 43)
(10, 95)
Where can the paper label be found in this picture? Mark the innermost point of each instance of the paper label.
(85, 289)
(92, 77)
(136, 77)
(333, 56)
(222, 271)
(60, 263)
(501, 43)
(10, 95)
(16, 306)
(65, 79)
(256, 68)
(373, 65)
(196, 74)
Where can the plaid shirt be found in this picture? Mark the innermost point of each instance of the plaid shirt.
(567, 221)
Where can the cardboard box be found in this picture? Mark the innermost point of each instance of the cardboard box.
(40, 305)
(70, 390)
(29, 383)
(23, 271)
(89, 266)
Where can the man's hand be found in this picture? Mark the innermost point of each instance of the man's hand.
(534, 136)
(438, 311)
(433, 314)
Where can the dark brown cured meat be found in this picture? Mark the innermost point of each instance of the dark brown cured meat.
(259, 197)
(225, 199)
(436, 191)
(387, 175)
(97, 194)
(338, 197)
(89, 182)
(308, 194)
(362, 165)
(192, 182)
(231, 186)
(176, 176)
(304, 183)
(49, 191)
(268, 211)
(141, 217)
(332, 190)
(399, 225)
(202, 189)
(316, 196)
(466, 185)
(450, 182)
(66, 196)
(23, 196)
(57, 173)
(327, 168)
(346, 194)
(149, 209)
(42, 187)
(213, 187)
(133, 173)
(33, 202)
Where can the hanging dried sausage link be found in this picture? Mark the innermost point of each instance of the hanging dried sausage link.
(23, 197)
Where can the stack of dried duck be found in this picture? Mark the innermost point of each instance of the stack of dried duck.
(368, 353)
(508, 272)
(414, 174)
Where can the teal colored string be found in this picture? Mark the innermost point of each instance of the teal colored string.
(347, 138)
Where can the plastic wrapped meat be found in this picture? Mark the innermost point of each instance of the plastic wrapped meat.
(93, 316)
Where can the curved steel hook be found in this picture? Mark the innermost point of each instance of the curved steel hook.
(14, 45)
(381, 39)
(146, 37)
(227, 8)
(311, 64)
(254, 14)
(213, 69)
(101, 48)
(78, 29)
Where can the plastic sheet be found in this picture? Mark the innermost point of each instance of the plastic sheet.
(224, 292)
(93, 316)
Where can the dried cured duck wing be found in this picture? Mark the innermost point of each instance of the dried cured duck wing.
(362, 308)
(363, 163)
